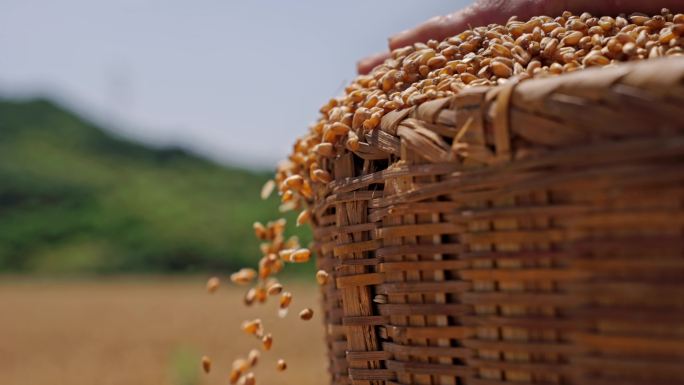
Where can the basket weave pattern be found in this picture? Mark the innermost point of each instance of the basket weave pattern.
(528, 233)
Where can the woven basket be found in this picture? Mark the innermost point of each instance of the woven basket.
(529, 233)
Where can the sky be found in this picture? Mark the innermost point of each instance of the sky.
(234, 81)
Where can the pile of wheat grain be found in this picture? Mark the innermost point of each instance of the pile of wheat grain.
(482, 56)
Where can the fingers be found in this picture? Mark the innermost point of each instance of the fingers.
(441, 27)
(438, 27)
(366, 64)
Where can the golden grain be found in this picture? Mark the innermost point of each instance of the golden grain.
(248, 379)
(240, 365)
(267, 189)
(260, 230)
(281, 365)
(213, 284)
(206, 364)
(303, 217)
(267, 341)
(286, 254)
(306, 314)
(260, 294)
(250, 297)
(322, 176)
(300, 256)
(322, 277)
(639, 19)
(380, 298)
(285, 299)
(252, 327)
(501, 70)
(339, 128)
(275, 289)
(595, 60)
(416, 74)
(234, 376)
(253, 357)
(353, 139)
(294, 181)
(243, 276)
(324, 149)
(572, 38)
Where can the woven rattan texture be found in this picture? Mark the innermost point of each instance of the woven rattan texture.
(530, 233)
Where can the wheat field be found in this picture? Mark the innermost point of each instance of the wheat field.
(146, 331)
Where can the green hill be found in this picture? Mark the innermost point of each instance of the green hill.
(75, 199)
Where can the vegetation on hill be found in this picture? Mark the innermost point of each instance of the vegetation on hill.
(75, 199)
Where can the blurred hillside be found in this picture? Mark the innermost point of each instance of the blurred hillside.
(74, 199)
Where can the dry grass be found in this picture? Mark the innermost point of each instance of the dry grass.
(146, 332)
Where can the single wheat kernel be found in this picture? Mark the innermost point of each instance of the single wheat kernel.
(500, 50)
(300, 256)
(629, 49)
(261, 294)
(252, 327)
(260, 231)
(267, 189)
(213, 284)
(278, 225)
(281, 365)
(285, 299)
(306, 190)
(572, 38)
(361, 115)
(500, 69)
(275, 289)
(206, 364)
(353, 143)
(277, 266)
(303, 217)
(244, 276)
(240, 365)
(322, 176)
(306, 314)
(380, 298)
(639, 19)
(250, 297)
(292, 242)
(264, 268)
(322, 277)
(267, 341)
(294, 182)
(286, 254)
(596, 60)
(339, 128)
(324, 149)
(249, 379)
(234, 376)
(253, 357)
(270, 282)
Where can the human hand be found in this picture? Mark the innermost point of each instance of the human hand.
(483, 12)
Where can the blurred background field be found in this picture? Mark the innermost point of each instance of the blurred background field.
(134, 140)
(152, 331)
(74, 199)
